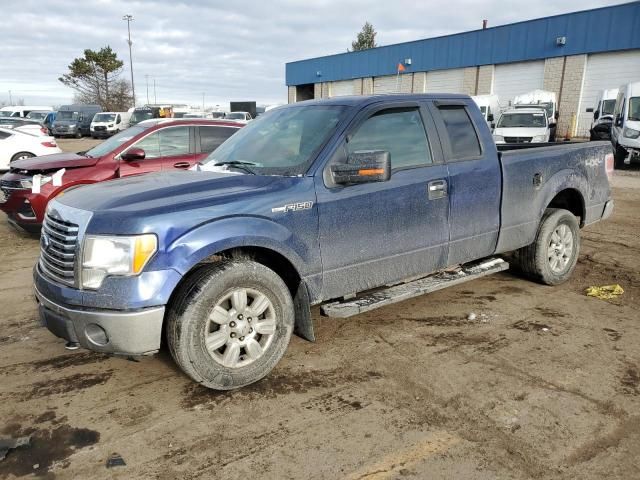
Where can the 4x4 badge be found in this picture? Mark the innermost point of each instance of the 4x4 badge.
(292, 207)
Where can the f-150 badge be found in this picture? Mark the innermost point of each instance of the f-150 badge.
(292, 207)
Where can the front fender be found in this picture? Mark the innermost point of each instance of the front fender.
(211, 238)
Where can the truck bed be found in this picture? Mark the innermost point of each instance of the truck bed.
(532, 177)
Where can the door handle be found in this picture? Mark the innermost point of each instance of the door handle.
(182, 165)
(437, 189)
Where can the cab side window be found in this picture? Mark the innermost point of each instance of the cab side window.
(168, 142)
(400, 132)
(461, 132)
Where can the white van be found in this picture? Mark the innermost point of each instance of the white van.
(541, 99)
(489, 105)
(22, 110)
(625, 130)
(105, 124)
(522, 125)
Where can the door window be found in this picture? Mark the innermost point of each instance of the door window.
(168, 142)
(461, 132)
(400, 132)
(212, 137)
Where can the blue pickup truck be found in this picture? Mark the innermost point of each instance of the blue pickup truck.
(335, 202)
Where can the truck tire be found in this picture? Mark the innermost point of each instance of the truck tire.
(551, 258)
(230, 323)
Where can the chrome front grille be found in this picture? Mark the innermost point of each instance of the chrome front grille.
(58, 246)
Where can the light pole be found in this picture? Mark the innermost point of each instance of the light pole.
(203, 101)
(146, 77)
(129, 19)
(10, 99)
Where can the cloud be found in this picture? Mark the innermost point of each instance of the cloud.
(226, 50)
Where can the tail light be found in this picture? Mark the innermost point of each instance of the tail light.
(44, 131)
(608, 164)
(49, 144)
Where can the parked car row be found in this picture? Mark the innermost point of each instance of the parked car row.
(150, 146)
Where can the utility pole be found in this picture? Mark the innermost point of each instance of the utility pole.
(146, 77)
(155, 97)
(10, 99)
(129, 19)
(203, 101)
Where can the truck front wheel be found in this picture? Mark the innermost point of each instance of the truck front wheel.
(551, 258)
(230, 323)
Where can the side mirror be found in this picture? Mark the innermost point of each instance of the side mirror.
(556, 115)
(618, 120)
(118, 120)
(363, 167)
(133, 154)
(490, 117)
(596, 114)
(493, 126)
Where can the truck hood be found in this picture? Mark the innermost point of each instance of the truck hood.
(171, 191)
(54, 162)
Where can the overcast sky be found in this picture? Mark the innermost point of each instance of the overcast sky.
(228, 50)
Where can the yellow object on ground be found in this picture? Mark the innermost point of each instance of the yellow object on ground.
(605, 292)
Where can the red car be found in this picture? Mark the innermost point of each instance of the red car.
(149, 146)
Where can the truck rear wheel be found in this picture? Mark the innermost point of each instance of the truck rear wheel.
(551, 258)
(230, 324)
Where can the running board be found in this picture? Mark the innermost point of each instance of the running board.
(404, 291)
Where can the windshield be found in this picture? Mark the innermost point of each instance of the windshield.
(117, 140)
(105, 117)
(548, 107)
(37, 115)
(67, 115)
(217, 114)
(512, 120)
(281, 142)
(235, 116)
(140, 115)
(608, 106)
(634, 108)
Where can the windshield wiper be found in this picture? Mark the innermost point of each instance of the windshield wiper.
(237, 164)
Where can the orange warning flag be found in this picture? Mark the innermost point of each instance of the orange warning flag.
(401, 67)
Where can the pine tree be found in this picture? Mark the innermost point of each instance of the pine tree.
(366, 38)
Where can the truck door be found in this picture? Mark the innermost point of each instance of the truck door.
(475, 180)
(376, 233)
(166, 148)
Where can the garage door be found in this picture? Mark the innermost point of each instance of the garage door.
(386, 84)
(513, 79)
(605, 71)
(445, 81)
(344, 87)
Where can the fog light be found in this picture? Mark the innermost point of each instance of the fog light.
(96, 334)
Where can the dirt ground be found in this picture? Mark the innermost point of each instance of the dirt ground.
(545, 383)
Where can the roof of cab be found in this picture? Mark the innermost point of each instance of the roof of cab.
(360, 100)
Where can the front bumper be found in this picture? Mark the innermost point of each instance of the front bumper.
(108, 331)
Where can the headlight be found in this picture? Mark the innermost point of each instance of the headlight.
(539, 139)
(631, 133)
(498, 138)
(28, 182)
(110, 126)
(122, 256)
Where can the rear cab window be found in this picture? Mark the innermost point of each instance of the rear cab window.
(461, 132)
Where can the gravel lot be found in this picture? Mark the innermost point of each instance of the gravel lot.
(545, 383)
